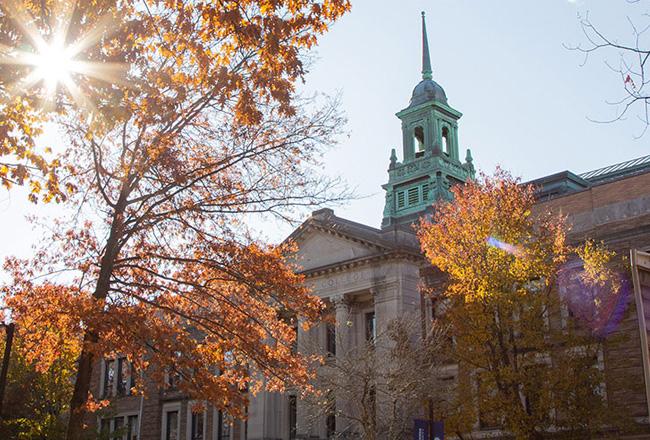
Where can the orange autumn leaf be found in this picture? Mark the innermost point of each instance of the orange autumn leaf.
(184, 126)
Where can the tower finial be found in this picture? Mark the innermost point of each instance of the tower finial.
(427, 73)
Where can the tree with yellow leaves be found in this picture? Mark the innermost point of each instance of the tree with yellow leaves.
(528, 313)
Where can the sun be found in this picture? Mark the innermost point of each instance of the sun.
(57, 67)
(53, 64)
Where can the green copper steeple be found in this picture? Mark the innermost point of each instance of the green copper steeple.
(430, 151)
(427, 73)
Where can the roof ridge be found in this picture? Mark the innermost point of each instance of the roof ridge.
(616, 168)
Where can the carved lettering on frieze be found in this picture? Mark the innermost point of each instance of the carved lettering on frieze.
(341, 280)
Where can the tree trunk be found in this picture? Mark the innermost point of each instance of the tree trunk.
(86, 358)
(81, 388)
(9, 328)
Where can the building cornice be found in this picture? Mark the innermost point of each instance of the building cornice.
(395, 254)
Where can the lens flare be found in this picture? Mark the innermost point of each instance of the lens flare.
(509, 248)
(599, 307)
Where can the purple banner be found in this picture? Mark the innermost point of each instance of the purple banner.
(420, 429)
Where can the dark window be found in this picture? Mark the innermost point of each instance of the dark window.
(371, 332)
(331, 339)
(132, 377)
(223, 427)
(293, 417)
(330, 425)
(171, 429)
(197, 426)
(109, 377)
(118, 427)
(105, 428)
(123, 377)
(173, 378)
(132, 432)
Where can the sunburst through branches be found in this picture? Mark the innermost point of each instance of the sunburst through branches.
(53, 60)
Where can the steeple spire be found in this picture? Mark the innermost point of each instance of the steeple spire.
(427, 73)
(430, 161)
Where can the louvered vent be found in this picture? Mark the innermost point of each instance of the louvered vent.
(413, 196)
(401, 199)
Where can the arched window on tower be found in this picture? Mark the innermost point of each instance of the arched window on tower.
(445, 140)
(418, 141)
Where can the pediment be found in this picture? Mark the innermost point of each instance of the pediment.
(319, 248)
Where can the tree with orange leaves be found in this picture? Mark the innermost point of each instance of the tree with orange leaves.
(42, 368)
(182, 124)
(526, 366)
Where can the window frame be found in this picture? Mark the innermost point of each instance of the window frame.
(189, 422)
(419, 145)
(292, 402)
(166, 409)
(218, 420)
(368, 338)
(445, 132)
(171, 379)
(125, 423)
(137, 424)
(104, 380)
(115, 391)
(130, 379)
(330, 425)
(330, 339)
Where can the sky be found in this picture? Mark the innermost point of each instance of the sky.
(526, 100)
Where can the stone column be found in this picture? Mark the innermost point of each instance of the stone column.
(257, 410)
(342, 309)
(407, 141)
(436, 137)
(387, 304)
(455, 148)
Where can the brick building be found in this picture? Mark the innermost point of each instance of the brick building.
(370, 276)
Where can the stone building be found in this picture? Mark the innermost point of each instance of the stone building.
(371, 275)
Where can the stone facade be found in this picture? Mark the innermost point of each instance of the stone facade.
(371, 275)
(362, 270)
(616, 211)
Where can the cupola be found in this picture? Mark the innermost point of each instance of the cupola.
(430, 151)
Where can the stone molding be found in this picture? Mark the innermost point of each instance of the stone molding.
(363, 261)
(340, 300)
